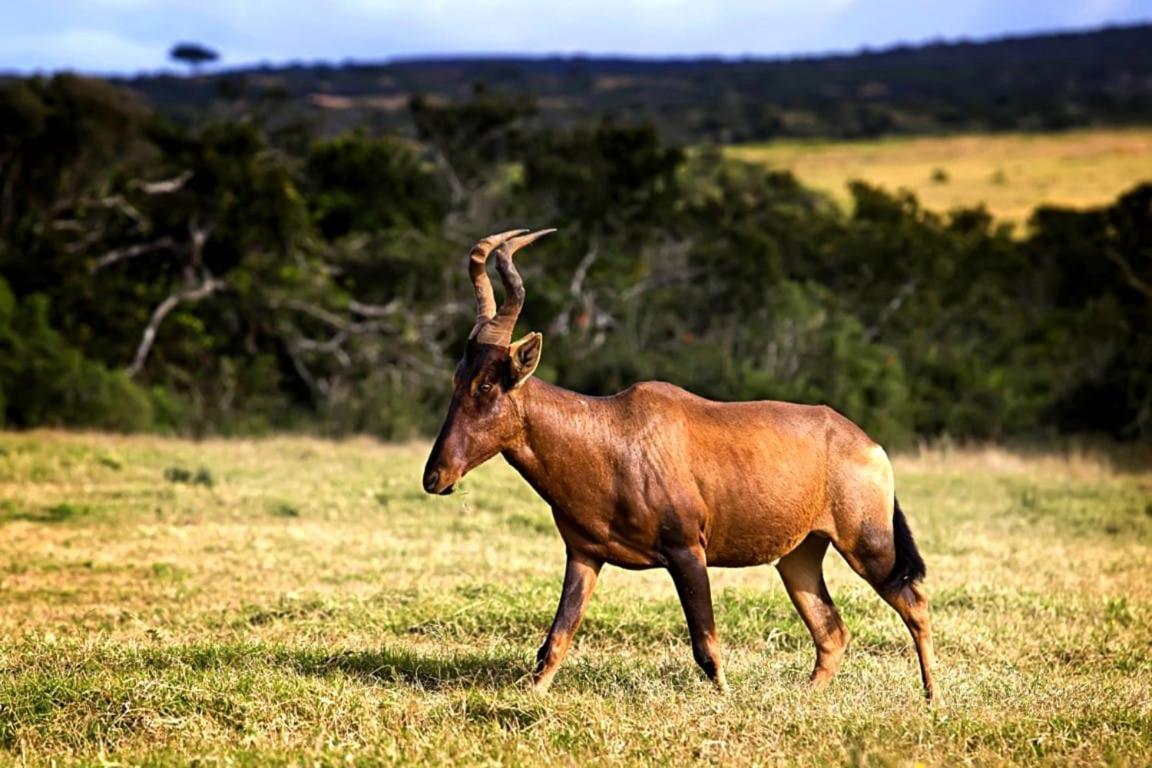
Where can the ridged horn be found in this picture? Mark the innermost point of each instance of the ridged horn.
(477, 270)
(496, 326)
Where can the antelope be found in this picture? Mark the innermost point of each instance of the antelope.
(657, 477)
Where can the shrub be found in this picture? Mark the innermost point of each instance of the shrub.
(47, 382)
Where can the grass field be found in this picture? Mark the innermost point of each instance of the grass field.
(300, 601)
(1010, 173)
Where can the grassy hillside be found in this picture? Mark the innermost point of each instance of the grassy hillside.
(1010, 173)
(1046, 81)
(255, 602)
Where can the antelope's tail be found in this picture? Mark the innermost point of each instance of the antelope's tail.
(909, 565)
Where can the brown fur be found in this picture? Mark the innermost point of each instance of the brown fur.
(658, 477)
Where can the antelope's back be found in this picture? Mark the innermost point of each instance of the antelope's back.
(766, 471)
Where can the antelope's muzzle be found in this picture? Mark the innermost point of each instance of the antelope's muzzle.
(432, 484)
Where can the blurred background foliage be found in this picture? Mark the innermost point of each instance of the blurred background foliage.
(1036, 82)
(243, 271)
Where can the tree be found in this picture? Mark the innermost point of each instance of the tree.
(192, 54)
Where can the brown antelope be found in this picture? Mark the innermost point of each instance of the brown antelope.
(657, 477)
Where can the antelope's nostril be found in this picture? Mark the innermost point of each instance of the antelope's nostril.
(430, 481)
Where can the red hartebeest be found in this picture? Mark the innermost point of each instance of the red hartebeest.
(658, 477)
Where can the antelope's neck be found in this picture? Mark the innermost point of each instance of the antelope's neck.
(564, 435)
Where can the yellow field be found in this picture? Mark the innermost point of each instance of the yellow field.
(302, 602)
(1012, 174)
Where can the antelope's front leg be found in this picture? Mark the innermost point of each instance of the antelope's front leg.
(689, 569)
(579, 581)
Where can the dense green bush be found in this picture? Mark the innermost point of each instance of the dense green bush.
(46, 381)
(362, 184)
(9, 352)
(297, 284)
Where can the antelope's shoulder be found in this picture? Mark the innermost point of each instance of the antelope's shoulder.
(656, 397)
(650, 391)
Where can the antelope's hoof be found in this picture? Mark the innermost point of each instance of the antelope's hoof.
(819, 679)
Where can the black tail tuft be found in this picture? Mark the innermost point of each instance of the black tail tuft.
(909, 565)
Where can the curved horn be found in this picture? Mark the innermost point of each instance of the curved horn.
(498, 329)
(477, 270)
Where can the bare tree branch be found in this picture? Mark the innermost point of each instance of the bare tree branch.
(87, 235)
(1134, 280)
(390, 309)
(890, 309)
(653, 282)
(163, 187)
(302, 369)
(456, 187)
(197, 236)
(120, 203)
(316, 312)
(132, 251)
(374, 312)
(562, 324)
(190, 295)
(394, 337)
(333, 346)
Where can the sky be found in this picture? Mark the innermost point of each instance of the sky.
(128, 36)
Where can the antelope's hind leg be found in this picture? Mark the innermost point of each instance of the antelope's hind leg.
(579, 581)
(887, 558)
(910, 602)
(802, 571)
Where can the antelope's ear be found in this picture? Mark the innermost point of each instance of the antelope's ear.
(525, 356)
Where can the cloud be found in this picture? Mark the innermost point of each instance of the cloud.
(596, 26)
(1099, 11)
(91, 50)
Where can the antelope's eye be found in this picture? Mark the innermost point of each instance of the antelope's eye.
(485, 387)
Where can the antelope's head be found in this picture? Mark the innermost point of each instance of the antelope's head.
(484, 415)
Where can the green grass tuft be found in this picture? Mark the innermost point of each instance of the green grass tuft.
(318, 608)
(201, 476)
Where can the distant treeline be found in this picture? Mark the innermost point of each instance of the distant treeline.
(239, 274)
(1040, 82)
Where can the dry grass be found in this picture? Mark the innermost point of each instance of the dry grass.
(1010, 173)
(1076, 460)
(302, 601)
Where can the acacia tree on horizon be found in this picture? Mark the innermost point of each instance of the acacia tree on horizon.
(194, 55)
